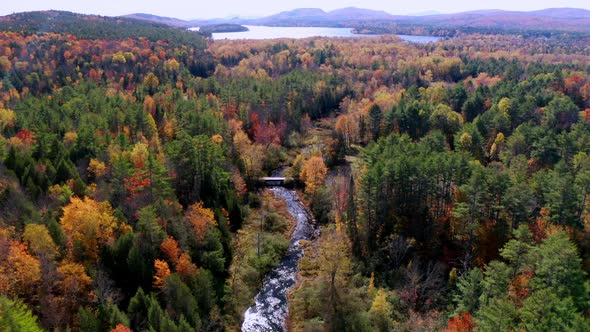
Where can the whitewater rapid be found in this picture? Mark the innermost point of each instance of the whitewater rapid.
(269, 312)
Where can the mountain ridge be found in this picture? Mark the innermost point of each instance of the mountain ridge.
(363, 13)
(378, 21)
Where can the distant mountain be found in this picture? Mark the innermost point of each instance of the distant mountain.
(175, 22)
(178, 23)
(304, 16)
(551, 19)
(353, 13)
(296, 15)
(563, 19)
(300, 13)
(97, 27)
(567, 13)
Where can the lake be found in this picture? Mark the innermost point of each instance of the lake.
(264, 32)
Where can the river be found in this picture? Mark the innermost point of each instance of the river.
(269, 312)
(264, 32)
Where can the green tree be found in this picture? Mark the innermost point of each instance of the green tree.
(519, 202)
(448, 121)
(16, 317)
(469, 290)
(541, 287)
(200, 169)
(87, 320)
(560, 114)
(558, 267)
(145, 249)
(181, 301)
(375, 118)
(546, 311)
(563, 198)
(146, 314)
(499, 315)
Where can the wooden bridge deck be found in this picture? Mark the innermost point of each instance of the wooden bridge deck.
(274, 181)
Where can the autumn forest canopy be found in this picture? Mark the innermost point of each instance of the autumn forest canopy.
(450, 181)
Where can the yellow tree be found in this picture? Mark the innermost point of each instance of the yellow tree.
(74, 279)
(168, 127)
(7, 118)
(252, 155)
(74, 286)
(172, 65)
(70, 138)
(19, 271)
(505, 105)
(335, 263)
(313, 173)
(170, 249)
(149, 104)
(381, 311)
(201, 218)
(39, 240)
(151, 81)
(88, 224)
(97, 168)
(162, 272)
(348, 129)
(497, 146)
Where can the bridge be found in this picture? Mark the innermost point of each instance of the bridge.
(274, 181)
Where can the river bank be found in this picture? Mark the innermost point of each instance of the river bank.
(270, 310)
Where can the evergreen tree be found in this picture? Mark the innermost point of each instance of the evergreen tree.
(16, 317)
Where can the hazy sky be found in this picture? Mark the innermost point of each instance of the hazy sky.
(188, 9)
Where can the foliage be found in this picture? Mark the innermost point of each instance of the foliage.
(257, 248)
(522, 293)
(95, 27)
(19, 271)
(313, 173)
(15, 316)
(87, 224)
(39, 240)
(162, 272)
(201, 218)
(130, 154)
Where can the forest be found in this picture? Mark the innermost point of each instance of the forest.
(450, 181)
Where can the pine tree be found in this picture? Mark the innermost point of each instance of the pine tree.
(16, 317)
(469, 290)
